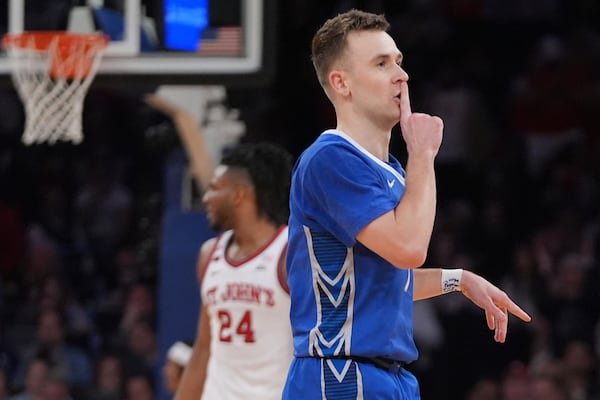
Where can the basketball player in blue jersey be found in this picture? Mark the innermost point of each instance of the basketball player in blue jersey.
(360, 226)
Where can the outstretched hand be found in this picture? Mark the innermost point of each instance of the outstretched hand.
(493, 301)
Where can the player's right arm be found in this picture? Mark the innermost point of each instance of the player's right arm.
(402, 235)
(192, 382)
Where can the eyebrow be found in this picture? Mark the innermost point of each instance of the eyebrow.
(396, 56)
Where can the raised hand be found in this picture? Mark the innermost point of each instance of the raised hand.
(422, 132)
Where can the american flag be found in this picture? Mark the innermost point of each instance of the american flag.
(221, 41)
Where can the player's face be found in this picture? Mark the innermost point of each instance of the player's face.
(218, 199)
(374, 73)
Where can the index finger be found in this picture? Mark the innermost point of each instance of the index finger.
(518, 312)
(405, 110)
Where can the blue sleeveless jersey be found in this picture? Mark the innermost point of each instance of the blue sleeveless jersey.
(346, 300)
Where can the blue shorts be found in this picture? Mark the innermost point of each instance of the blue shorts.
(315, 379)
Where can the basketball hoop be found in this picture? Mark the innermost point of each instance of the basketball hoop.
(52, 72)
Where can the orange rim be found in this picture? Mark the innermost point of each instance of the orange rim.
(62, 65)
(41, 40)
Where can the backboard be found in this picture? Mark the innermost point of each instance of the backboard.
(161, 41)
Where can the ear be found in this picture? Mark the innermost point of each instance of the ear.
(239, 193)
(338, 82)
(243, 192)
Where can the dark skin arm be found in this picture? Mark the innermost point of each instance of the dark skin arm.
(194, 374)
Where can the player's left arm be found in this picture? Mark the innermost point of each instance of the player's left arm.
(431, 282)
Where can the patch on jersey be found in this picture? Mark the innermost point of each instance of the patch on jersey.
(333, 285)
(341, 379)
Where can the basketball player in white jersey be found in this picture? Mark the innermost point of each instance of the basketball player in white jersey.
(243, 347)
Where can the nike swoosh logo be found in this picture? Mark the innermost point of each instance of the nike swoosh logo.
(391, 183)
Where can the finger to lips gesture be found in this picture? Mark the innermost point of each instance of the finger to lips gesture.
(421, 132)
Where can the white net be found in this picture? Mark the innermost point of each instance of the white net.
(52, 73)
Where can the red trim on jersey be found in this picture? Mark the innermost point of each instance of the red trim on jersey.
(256, 254)
(280, 268)
(209, 258)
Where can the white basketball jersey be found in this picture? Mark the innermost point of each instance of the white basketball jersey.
(251, 347)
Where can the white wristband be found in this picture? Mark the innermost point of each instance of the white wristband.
(451, 280)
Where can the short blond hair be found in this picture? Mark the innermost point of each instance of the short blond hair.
(329, 42)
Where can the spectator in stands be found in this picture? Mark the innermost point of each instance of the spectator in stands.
(109, 379)
(580, 371)
(514, 384)
(138, 304)
(140, 353)
(571, 307)
(36, 373)
(103, 212)
(56, 388)
(68, 361)
(547, 121)
(139, 387)
(545, 387)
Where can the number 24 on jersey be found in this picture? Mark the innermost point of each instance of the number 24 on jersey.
(243, 327)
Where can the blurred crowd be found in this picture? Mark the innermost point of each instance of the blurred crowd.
(79, 235)
(518, 86)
